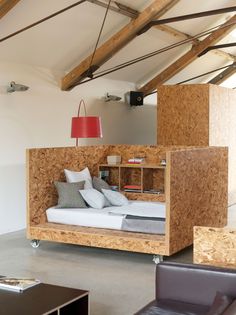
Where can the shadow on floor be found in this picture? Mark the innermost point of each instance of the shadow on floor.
(184, 256)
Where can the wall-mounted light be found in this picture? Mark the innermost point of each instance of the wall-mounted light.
(85, 126)
(13, 87)
(108, 97)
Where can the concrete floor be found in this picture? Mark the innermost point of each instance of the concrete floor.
(119, 282)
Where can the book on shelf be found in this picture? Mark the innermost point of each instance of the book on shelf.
(153, 191)
(132, 188)
(17, 284)
(136, 160)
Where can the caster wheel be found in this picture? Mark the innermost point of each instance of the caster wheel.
(157, 259)
(34, 243)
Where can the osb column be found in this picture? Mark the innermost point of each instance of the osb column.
(183, 115)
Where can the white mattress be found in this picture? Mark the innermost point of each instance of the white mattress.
(108, 218)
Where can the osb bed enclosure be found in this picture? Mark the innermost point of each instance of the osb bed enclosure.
(195, 194)
(215, 246)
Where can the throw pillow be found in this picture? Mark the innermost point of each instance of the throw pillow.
(72, 177)
(94, 198)
(115, 197)
(231, 310)
(69, 196)
(220, 303)
(99, 183)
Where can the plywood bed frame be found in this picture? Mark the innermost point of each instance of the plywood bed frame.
(195, 194)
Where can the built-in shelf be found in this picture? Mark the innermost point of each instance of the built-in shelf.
(149, 177)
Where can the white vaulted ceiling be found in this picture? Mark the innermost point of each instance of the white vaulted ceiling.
(62, 42)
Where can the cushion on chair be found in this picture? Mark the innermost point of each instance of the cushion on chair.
(169, 307)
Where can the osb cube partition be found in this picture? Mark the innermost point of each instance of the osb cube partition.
(199, 115)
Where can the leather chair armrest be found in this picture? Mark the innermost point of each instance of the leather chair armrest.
(193, 283)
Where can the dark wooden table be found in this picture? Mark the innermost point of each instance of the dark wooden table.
(45, 299)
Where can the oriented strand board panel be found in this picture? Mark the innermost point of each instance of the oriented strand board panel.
(199, 115)
(112, 239)
(223, 128)
(198, 193)
(183, 115)
(46, 166)
(215, 246)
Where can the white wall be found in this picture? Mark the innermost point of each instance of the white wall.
(41, 116)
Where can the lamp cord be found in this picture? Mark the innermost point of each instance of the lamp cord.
(90, 74)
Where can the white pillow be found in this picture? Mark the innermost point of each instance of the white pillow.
(94, 198)
(74, 177)
(115, 198)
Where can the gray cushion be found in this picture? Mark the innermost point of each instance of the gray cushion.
(69, 195)
(100, 184)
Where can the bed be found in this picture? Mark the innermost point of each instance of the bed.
(137, 216)
(195, 193)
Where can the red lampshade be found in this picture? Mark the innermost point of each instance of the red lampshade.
(86, 127)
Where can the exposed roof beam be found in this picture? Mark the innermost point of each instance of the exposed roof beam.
(130, 12)
(124, 10)
(224, 75)
(189, 57)
(174, 32)
(180, 35)
(116, 42)
(187, 17)
(6, 5)
(210, 48)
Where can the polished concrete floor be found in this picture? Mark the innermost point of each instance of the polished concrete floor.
(119, 282)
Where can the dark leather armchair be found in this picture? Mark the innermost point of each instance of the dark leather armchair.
(188, 288)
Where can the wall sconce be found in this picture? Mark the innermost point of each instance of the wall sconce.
(85, 126)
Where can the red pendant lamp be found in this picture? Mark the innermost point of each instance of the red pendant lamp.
(85, 126)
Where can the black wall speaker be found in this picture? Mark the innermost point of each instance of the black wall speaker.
(134, 98)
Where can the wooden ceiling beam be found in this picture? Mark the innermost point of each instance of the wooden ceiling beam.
(129, 12)
(6, 6)
(116, 42)
(124, 10)
(224, 75)
(182, 36)
(189, 57)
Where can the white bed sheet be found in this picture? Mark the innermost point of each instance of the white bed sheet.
(107, 218)
(85, 217)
